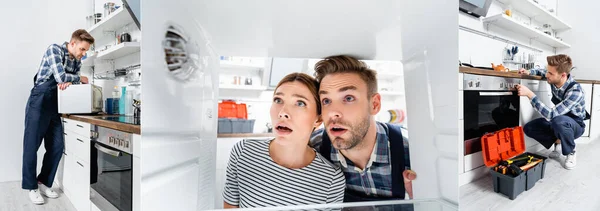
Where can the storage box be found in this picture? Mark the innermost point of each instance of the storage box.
(508, 144)
(235, 125)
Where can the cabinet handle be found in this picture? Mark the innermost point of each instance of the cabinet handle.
(64, 153)
(79, 140)
(534, 83)
(80, 126)
(64, 121)
(79, 163)
(65, 134)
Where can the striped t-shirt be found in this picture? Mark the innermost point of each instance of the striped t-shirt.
(255, 180)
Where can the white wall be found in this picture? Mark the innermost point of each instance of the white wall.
(583, 37)
(482, 51)
(29, 29)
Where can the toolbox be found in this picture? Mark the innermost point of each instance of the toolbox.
(512, 170)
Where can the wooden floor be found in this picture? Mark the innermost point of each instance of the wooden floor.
(13, 198)
(560, 189)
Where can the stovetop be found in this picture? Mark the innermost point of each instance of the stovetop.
(122, 119)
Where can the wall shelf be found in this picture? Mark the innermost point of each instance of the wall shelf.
(508, 23)
(536, 12)
(116, 20)
(119, 50)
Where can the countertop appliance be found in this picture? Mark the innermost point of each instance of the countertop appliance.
(80, 99)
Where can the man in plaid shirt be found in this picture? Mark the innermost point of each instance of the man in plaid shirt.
(563, 123)
(59, 67)
(373, 155)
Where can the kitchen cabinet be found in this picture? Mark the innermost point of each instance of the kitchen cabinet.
(75, 170)
(587, 89)
(527, 113)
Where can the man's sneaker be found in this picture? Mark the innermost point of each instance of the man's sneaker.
(35, 196)
(555, 154)
(47, 191)
(570, 161)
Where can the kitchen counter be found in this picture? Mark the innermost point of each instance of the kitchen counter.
(478, 71)
(93, 119)
(244, 135)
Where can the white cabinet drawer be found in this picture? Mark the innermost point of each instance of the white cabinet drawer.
(77, 145)
(68, 174)
(81, 191)
(78, 127)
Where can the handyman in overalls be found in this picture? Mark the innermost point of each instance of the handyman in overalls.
(59, 68)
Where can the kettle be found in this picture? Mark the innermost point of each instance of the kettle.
(500, 68)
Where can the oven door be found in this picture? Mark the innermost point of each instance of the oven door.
(485, 112)
(111, 178)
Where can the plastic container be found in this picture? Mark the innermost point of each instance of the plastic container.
(235, 125)
(230, 109)
(506, 144)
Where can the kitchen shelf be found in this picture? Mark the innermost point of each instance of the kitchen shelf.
(119, 50)
(88, 61)
(116, 20)
(242, 87)
(509, 23)
(536, 12)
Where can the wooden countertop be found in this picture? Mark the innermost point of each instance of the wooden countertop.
(93, 119)
(243, 135)
(478, 71)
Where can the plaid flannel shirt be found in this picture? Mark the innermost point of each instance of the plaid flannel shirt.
(58, 64)
(376, 178)
(574, 101)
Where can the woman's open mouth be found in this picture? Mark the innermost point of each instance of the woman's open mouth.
(283, 129)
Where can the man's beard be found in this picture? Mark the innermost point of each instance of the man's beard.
(357, 133)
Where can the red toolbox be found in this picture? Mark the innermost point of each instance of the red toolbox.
(504, 150)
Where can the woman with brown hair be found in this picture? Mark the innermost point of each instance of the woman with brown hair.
(285, 170)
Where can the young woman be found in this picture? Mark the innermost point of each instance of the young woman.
(285, 170)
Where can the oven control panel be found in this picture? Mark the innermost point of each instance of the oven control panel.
(116, 139)
(482, 82)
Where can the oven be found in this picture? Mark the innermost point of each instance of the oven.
(111, 169)
(490, 104)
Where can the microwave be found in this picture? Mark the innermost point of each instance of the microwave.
(80, 99)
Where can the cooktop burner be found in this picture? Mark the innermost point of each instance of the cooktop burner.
(122, 119)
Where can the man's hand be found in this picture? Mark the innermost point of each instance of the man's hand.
(63, 86)
(409, 176)
(83, 79)
(524, 91)
(524, 71)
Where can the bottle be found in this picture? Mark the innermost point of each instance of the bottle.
(122, 101)
(115, 93)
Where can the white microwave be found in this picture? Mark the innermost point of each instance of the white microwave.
(80, 99)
